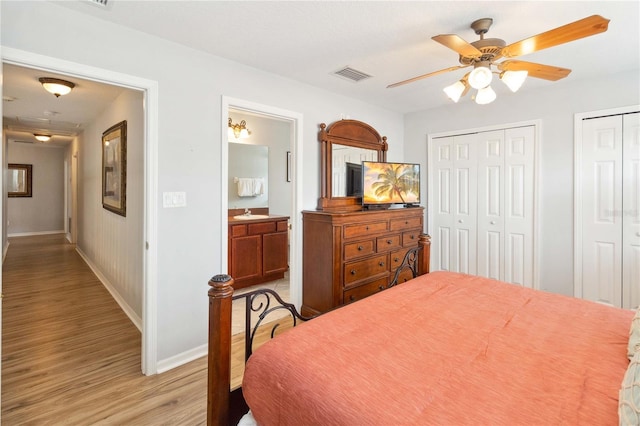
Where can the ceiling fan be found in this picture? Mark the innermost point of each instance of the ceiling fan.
(483, 54)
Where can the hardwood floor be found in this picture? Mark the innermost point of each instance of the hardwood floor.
(71, 356)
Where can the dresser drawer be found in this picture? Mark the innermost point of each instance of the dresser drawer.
(396, 258)
(410, 238)
(388, 242)
(363, 229)
(410, 222)
(359, 249)
(365, 290)
(363, 269)
(404, 276)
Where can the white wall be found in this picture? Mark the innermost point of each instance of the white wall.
(555, 107)
(114, 243)
(25, 214)
(191, 85)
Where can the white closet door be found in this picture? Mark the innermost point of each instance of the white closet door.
(491, 204)
(505, 205)
(454, 171)
(601, 210)
(631, 211)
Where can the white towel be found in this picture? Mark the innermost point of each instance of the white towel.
(250, 187)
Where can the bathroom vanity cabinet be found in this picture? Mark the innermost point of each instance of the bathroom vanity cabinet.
(258, 250)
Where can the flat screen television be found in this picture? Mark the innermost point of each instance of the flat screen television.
(384, 184)
(354, 180)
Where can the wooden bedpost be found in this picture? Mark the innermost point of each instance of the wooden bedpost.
(219, 365)
(424, 241)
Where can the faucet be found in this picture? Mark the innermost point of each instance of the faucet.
(247, 212)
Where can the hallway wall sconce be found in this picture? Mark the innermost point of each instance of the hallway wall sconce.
(56, 86)
(238, 131)
(41, 137)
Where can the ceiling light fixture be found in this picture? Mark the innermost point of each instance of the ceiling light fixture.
(481, 75)
(457, 89)
(239, 131)
(41, 137)
(514, 79)
(56, 86)
(485, 96)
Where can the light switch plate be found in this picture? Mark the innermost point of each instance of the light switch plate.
(174, 199)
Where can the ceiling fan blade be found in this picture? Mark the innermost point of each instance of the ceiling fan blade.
(546, 72)
(431, 74)
(458, 44)
(586, 27)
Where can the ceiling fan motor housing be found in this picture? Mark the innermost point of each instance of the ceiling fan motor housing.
(491, 49)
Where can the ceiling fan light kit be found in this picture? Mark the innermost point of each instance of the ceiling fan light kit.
(482, 54)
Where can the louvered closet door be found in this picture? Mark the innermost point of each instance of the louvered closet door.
(454, 203)
(505, 205)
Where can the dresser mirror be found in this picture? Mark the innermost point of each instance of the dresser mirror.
(343, 144)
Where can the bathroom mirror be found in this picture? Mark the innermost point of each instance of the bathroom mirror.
(345, 142)
(19, 180)
(248, 176)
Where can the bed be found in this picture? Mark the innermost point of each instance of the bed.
(446, 348)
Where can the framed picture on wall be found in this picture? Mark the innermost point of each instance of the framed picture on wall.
(114, 168)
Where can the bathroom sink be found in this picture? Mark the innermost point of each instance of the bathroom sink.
(251, 216)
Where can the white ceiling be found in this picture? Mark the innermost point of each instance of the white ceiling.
(391, 40)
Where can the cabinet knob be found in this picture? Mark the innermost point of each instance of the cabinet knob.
(406, 222)
(388, 241)
(413, 237)
(381, 263)
(381, 288)
(352, 298)
(360, 248)
(396, 259)
(353, 272)
(366, 227)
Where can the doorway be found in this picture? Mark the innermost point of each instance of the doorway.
(149, 89)
(294, 121)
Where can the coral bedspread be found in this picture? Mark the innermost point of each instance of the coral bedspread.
(445, 349)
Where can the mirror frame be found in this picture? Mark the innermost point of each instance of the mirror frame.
(28, 168)
(352, 133)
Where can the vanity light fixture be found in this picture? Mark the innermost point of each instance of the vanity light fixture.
(56, 86)
(41, 137)
(238, 131)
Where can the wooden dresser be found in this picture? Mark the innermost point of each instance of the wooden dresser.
(352, 255)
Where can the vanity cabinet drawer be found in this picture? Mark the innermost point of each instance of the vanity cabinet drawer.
(359, 230)
(356, 271)
(365, 290)
(388, 242)
(407, 223)
(359, 249)
(238, 230)
(262, 228)
(282, 226)
(410, 238)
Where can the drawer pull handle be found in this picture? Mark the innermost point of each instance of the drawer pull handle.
(396, 259)
(381, 288)
(352, 298)
(389, 241)
(406, 222)
(360, 248)
(353, 272)
(381, 263)
(413, 237)
(366, 227)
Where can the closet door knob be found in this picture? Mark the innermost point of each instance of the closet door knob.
(493, 222)
(460, 221)
(637, 234)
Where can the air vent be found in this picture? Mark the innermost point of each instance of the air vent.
(19, 141)
(351, 74)
(102, 3)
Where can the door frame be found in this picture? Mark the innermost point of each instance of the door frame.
(537, 125)
(577, 186)
(295, 119)
(150, 144)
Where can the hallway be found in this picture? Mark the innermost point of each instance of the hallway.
(69, 353)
